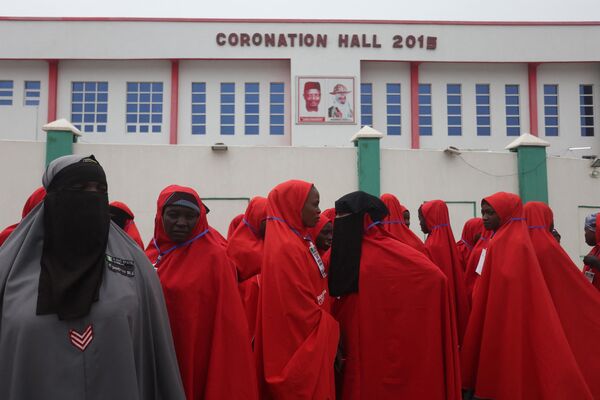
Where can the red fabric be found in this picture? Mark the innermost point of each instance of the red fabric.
(595, 252)
(470, 275)
(205, 311)
(33, 200)
(245, 250)
(576, 301)
(471, 229)
(397, 332)
(130, 227)
(329, 214)
(296, 339)
(314, 231)
(441, 246)
(515, 347)
(234, 224)
(394, 224)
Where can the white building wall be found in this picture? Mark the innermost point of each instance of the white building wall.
(379, 74)
(117, 74)
(213, 72)
(568, 77)
(21, 122)
(468, 75)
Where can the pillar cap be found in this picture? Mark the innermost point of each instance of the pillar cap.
(61, 125)
(367, 133)
(527, 139)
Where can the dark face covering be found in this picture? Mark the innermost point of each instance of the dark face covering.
(347, 239)
(119, 216)
(76, 225)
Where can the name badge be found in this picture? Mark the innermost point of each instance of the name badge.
(590, 276)
(315, 253)
(121, 266)
(479, 268)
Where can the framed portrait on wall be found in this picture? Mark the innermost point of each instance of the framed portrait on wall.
(325, 100)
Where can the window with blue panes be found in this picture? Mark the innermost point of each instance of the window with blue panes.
(251, 113)
(31, 96)
(89, 106)
(513, 110)
(454, 103)
(551, 110)
(144, 107)
(482, 108)
(276, 108)
(227, 108)
(366, 104)
(393, 99)
(6, 93)
(425, 115)
(586, 109)
(198, 108)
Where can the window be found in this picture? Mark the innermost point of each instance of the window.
(425, 120)
(393, 109)
(89, 106)
(482, 108)
(586, 109)
(144, 107)
(198, 108)
(31, 96)
(251, 116)
(454, 100)
(227, 108)
(366, 104)
(276, 108)
(513, 119)
(551, 110)
(6, 93)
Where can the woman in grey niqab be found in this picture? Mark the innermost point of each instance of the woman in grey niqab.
(82, 314)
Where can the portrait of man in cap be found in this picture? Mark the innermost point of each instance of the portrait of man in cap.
(312, 96)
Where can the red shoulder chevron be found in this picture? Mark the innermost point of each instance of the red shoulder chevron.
(81, 340)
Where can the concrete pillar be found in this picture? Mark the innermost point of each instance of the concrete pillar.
(533, 173)
(369, 163)
(61, 136)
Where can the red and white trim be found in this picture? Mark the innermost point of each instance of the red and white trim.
(81, 340)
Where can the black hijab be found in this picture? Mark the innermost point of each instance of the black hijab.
(347, 239)
(76, 226)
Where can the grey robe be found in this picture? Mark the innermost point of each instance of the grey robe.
(130, 355)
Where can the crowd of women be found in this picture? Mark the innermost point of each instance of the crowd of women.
(295, 303)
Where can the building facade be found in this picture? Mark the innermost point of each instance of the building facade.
(424, 85)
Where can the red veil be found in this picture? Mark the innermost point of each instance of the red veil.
(397, 331)
(514, 346)
(465, 245)
(443, 252)
(130, 227)
(296, 338)
(394, 224)
(576, 301)
(235, 222)
(205, 311)
(595, 252)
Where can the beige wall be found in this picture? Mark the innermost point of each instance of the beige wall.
(137, 173)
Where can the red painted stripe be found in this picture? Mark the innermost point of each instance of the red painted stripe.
(174, 101)
(414, 105)
(305, 21)
(52, 89)
(533, 103)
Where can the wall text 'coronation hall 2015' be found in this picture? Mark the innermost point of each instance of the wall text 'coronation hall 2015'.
(322, 40)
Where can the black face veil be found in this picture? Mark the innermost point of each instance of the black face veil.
(76, 226)
(347, 239)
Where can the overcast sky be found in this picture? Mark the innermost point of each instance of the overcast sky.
(463, 10)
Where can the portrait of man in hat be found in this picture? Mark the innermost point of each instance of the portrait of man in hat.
(340, 106)
(312, 96)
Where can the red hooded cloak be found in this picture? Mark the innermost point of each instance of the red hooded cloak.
(394, 224)
(471, 229)
(234, 224)
(576, 301)
(441, 246)
(471, 274)
(296, 339)
(130, 227)
(514, 347)
(205, 311)
(398, 337)
(595, 252)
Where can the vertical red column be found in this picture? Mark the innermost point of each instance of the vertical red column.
(533, 103)
(52, 89)
(174, 101)
(414, 105)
